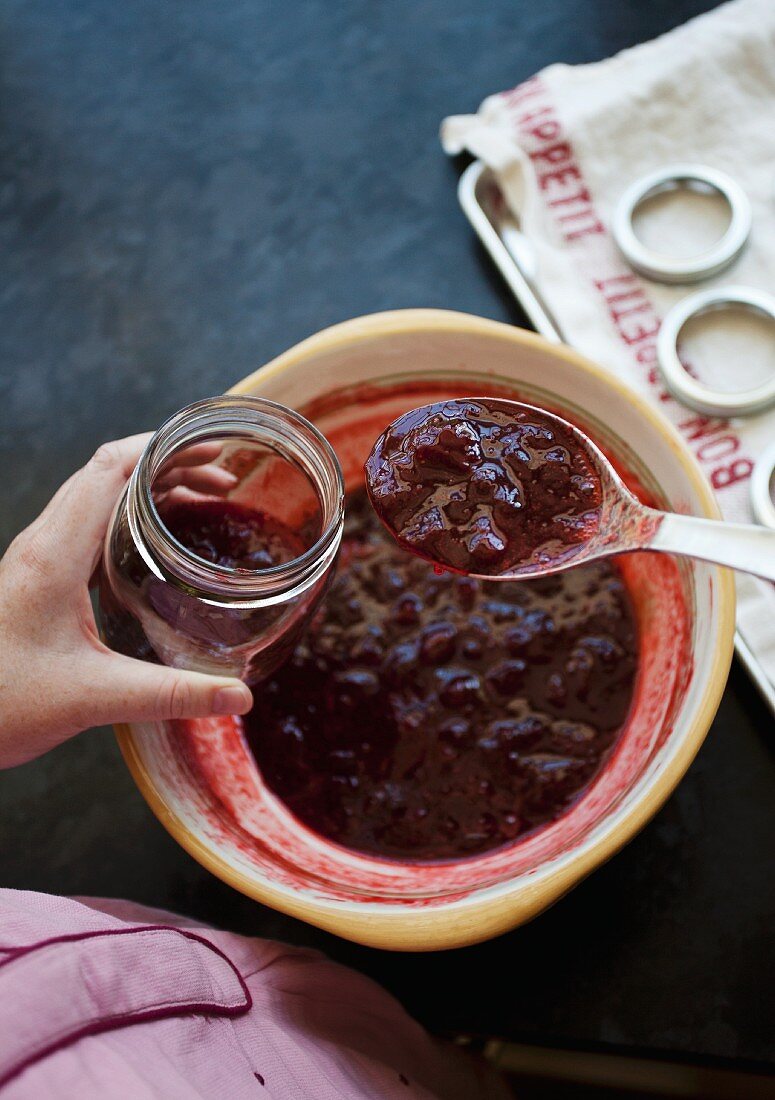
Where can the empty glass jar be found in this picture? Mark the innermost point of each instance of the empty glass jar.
(223, 542)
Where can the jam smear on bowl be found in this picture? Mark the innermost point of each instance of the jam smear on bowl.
(429, 717)
(484, 486)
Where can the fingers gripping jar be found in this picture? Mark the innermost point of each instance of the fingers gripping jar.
(223, 542)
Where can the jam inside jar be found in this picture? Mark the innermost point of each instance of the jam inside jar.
(222, 544)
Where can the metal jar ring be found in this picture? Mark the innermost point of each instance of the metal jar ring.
(761, 497)
(687, 389)
(692, 269)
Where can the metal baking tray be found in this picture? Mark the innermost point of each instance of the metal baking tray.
(499, 231)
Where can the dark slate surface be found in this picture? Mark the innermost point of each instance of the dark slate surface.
(189, 188)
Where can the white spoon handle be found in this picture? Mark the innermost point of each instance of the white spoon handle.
(741, 546)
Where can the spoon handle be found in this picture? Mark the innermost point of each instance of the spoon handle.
(741, 546)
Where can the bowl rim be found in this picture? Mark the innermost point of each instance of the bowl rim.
(591, 852)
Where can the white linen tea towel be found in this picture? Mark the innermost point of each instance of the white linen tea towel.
(566, 143)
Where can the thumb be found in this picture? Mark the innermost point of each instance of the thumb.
(126, 690)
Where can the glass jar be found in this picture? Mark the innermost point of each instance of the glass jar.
(267, 475)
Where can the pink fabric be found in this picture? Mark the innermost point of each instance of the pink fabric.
(108, 999)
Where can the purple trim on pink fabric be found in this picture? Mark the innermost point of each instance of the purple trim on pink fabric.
(107, 1023)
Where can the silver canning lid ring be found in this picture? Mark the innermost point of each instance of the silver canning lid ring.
(687, 389)
(692, 269)
(761, 498)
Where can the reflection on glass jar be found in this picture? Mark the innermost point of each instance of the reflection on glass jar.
(222, 544)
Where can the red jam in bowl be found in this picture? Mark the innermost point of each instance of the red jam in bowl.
(482, 487)
(432, 717)
(232, 535)
(451, 731)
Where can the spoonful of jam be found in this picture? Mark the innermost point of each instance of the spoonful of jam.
(502, 490)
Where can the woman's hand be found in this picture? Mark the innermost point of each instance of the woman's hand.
(56, 676)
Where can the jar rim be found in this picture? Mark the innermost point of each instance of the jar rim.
(282, 427)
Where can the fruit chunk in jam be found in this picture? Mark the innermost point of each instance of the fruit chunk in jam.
(432, 717)
(483, 486)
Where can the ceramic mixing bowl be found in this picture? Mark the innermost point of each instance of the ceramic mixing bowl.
(351, 380)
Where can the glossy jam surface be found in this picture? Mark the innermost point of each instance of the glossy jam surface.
(232, 535)
(484, 487)
(431, 717)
